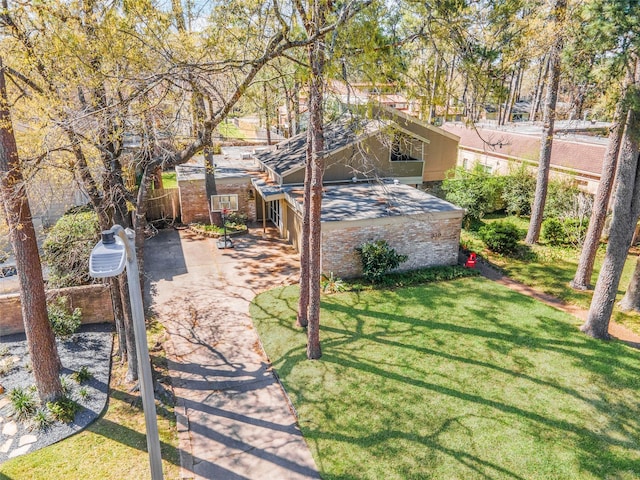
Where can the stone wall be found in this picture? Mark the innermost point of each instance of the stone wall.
(93, 300)
(428, 241)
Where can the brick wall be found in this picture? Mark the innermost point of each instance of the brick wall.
(428, 241)
(93, 300)
(246, 197)
(193, 201)
(195, 206)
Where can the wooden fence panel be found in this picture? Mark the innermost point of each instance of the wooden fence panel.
(163, 203)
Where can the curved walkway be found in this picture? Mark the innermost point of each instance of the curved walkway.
(234, 419)
(615, 330)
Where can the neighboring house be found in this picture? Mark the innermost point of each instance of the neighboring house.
(500, 150)
(233, 173)
(519, 112)
(369, 167)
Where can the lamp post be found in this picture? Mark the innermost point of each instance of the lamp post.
(114, 252)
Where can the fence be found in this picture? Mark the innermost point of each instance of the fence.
(163, 203)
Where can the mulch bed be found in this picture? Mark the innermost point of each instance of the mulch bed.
(90, 347)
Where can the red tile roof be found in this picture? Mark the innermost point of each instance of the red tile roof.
(579, 156)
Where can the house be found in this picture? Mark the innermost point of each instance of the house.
(577, 158)
(371, 169)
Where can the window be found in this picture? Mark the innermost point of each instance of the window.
(273, 212)
(405, 149)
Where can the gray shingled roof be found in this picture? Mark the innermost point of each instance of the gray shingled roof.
(290, 155)
(369, 201)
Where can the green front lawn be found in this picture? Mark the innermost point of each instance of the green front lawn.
(455, 380)
(550, 269)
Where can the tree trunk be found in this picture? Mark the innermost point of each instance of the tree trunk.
(626, 209)
(317, 59)
(40, 339)
(582, 278)
(130, 341)
(296, 107)
(210, 185)
(267, 118)
(303, 303)
(449, 88)
(540, 83)
(121, 217)
(546, 142)
(434, 89)
(288, 108)
(118, 315)
(631, 299)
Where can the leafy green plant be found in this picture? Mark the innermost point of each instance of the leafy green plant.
(68, 246)
(518, 191)
(553, 231)
(41, 420)
(63, 322)
(500, 237)
(570, 231)
(378, 258)
(64, 409)
(6, 365)
(82, 375)
(332, 284)
(23, 403)
(236, 220)
(476, 190)
(83, 393)
(67, 384)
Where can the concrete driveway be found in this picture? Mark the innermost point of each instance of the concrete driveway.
(234, 420)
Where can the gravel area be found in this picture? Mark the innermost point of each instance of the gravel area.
(91, 346)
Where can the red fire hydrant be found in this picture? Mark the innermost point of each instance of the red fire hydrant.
(471, 261)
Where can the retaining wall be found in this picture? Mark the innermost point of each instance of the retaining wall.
(93, 300)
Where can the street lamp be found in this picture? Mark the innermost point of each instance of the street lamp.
(109, 258)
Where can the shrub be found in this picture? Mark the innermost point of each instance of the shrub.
(23, 403)
(500, 237)
(477, 191)
(41, 420)
(82, 375)
(378, 258)
(428, 275)
(571, 231)
(63, 322)
(67, 249)
(518, 191)
(64, 409)
(84, 394)
(236, 219)
(66, 384)
(332, 284)
(576, 230)
(566, 200)
(552, 231)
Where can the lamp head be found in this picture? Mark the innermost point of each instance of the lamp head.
(108, 258)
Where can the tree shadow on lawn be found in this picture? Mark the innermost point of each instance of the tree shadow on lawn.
(357, 328)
